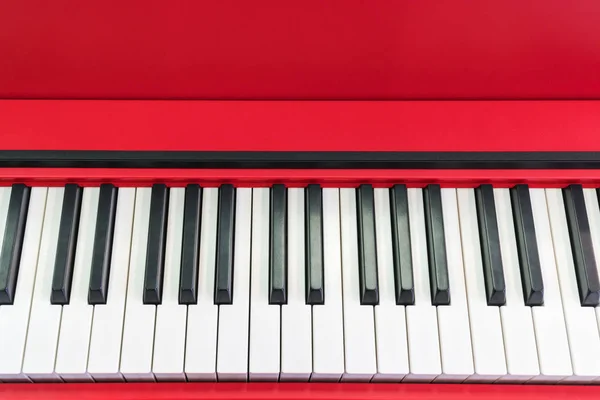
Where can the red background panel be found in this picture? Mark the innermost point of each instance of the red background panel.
(300, 125)
(300, 49)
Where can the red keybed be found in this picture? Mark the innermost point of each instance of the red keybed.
(291, 391)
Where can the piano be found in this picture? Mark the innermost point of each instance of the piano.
(264, 229)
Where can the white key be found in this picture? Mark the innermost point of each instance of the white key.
(44, 319)
(328, 323)
(107, 324)
(421, 318)
(296, 315)
(169, 337)
(486, 328)
(593, 211)
(517, 320)
(582, 327)
(76, 322)
(390, 319)
(549, 322)
(455, 336)
(359, 326)
(138, 327)
(12, 341)
(265, 324)
(201, 338)
(232, 351)
(5, 193)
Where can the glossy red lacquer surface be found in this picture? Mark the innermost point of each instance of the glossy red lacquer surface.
(292, 391)
(300, 49)
(297, 125)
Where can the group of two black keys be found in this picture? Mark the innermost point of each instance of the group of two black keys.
(531, 275)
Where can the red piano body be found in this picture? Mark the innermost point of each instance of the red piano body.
(340, 92)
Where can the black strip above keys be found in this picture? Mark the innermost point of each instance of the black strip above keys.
(190, 249)
(401, 242)
(67, 243)
(436, 246)
(155, 252)
(315, 280)
(103, 243)
(301, 159)
(527, 248)
(367, 246)
(582, 246)
(278, 245)
(14, 232)
(489, 238)
(225, 243)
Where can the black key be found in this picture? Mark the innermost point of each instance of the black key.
(225, 240)
(529, 258)
(581, 246)
(14, 232)
(190, 250)
(155, 252)
(401, 242)
(489, 239)
(278, 246)
(367, 246)
(315, 284)
(67, 243)
(436, 246)
(103, 241)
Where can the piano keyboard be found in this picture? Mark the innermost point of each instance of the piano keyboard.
(297, 284)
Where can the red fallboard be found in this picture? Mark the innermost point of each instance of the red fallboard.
(469, 126)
